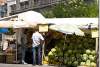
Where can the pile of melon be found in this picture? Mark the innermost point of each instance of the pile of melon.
(77, 51)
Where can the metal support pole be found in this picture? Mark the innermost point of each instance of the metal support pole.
(18, 35)
(64, 49)
(98, 65)
(43, 49)
(97, 40)
(97, 52)
(16, 52)
(16, 46)
(98, 61)
(43, 53)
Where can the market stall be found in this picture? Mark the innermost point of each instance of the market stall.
(67, 26)
(19, 21)
(63, 25)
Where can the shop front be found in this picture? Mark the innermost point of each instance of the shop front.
(11, 51)
(7, 48)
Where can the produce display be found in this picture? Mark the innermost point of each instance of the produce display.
(74, 51)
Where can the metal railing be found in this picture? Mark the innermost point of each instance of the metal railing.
(38, 4)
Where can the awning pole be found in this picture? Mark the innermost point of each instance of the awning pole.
(43, 50)
(96, 48)
(97, 52)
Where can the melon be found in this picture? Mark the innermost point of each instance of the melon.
(93, 64)
(69, 51)
(85, 55)
(88, 51)
(75, 62)
(82, 63)
(92, 58)
(85, 58)
(88, 62)
(50, 53)
(93, 52)
(53, 49)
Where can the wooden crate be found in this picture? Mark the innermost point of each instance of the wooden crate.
(2, 58)
(10, 58)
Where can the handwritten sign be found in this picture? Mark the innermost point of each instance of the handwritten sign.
(43, 28)
(95, 33)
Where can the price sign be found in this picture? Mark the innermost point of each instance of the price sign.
(95, 33)
(43, 28)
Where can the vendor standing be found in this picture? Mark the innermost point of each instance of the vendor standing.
(38, 41)
(23, 45)
(21, 40)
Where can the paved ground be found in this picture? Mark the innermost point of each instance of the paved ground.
(25, 65)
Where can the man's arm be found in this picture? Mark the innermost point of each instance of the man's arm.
(41, 39)
(41, 42)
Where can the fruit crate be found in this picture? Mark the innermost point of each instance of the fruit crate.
(2, 58)
(10, 58)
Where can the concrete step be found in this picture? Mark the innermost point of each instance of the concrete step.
(24, 65)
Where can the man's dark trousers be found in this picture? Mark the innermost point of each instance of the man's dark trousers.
(37, 55)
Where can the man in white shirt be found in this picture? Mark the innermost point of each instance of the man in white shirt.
(37, 43)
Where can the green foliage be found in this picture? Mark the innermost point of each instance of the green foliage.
(48, 14)
(73, 8)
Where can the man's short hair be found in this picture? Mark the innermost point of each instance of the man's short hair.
(36, 29)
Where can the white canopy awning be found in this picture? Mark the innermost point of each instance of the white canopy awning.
(22, 20)
(73, 25)
(73, 21)
(32, 18)
(67, 29)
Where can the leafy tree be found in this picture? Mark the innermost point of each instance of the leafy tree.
(48, 14)
(73, 8)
